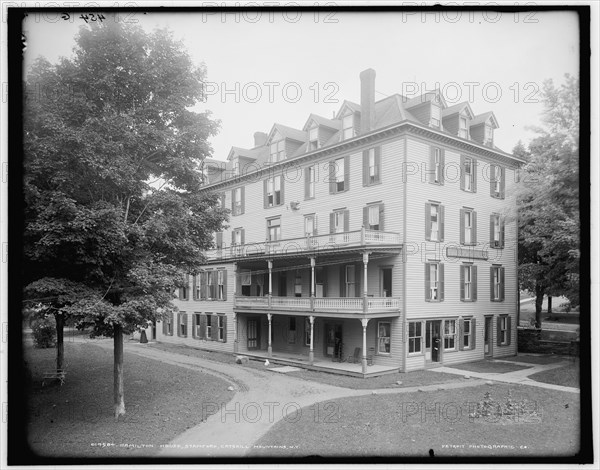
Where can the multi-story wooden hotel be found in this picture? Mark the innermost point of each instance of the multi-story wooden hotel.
(372, 242)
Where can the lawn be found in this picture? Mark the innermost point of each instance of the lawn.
(567, 376)
(409, 379)
(77, 419)
(486, 366)
(541, 359)
(412, 424)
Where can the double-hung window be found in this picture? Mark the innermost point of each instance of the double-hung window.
(468, 282)
(209, 325)
(436, 165)
(182, 325)
(450, 334)
(436, 115)
(468, 174)
(310, 225)
(463, 130)
(415, 336)
(503, 328)
(221, 284)
(371, 166)
(497, 181)
(434, 282)
(467, 333)
(489, 135)
(496, 231)
(338, 175)
(274, 191)
(348, 126)
(373, 217)
(274, 229)
(220, 327)
(496, 283)
(313, 138)
(237, 199)
(278, 151)
(468, 227)
(434, 222)
(310, 181)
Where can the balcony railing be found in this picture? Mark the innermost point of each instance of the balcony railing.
(317, 304)
(289, 246)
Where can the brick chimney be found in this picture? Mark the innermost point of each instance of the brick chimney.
(367, 100)
(260, 139)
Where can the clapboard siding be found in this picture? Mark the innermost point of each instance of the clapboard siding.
(450, 195)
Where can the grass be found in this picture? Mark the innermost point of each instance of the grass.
(385, 425)
(161, 402)
(421, 377)
(542, 359)
(492, 367)
(567, 376)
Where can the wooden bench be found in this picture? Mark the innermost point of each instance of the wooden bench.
(59, 374)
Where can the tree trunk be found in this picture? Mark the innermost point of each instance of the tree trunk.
(549, 305)
(118, 372)
(60, 343)
(539, 299)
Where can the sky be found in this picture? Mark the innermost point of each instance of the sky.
(275, 67)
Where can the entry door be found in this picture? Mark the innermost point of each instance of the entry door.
(386, 282)
(433, 341)
(487, 337)
(253, 333)
(333, 340)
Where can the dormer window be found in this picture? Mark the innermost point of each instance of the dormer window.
(278, 151)
(463, 130)
(348, 126)
(436, 115)
(236, 166)
(313, 139)
(489, 135)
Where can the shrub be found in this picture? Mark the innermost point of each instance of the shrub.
(44, 332)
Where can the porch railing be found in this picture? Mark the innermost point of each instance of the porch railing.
(312, 304)
(326, 242)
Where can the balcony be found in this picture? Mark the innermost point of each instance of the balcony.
(360, 305)
(330, 242)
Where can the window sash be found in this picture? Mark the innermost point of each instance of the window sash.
(311, 181)
(467, 282)
(221, 332)
(437, 164)
(497, 283)
(309, 225)
(468, 225)
(415, 337)
(450, 334)
(467, 334)
(374, 217)
(384, 337)
(313, 134)
(468, 174)
(348, 126)
(433, 281)
(208, 326)
(338, 219)
(434, 219)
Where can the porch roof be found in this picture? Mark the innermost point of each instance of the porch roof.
(334, 315)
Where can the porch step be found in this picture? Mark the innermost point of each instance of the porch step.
(285, 369)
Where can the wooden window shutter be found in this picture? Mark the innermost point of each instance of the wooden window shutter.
(265, 197)
(366, 217)
(381, 217)
(224, 328)
(508, 330)
(172, 317)
(243, 236)
(492, 177)
(346, 173)
(365, 168)
(473, 333)
(461, 226)
(164, 326)
(427, 281)
(378, 164)
(194, 315)
(462, 282)
(232, 237)
(219, 240)
(214, 328)
(473, 228)
(332, 222)
(282, 192)
(346, 220)
(194, 290)
(307, 182)
(474, 282)
(243, 199)
(184, 320)
(432, 164)
(224, 284)
(427, 221)
(474, 170)
(492, 283)
(501, 232)
(343, 280)
(461, 333)
(501, 284)
(203, 285)
(202, 327)
(332, 184)
(442, 165)
(502, 182)
(441, 280)
(441, 216)
(498, 335)
(233, 201)
(492, 241)
(463, 173)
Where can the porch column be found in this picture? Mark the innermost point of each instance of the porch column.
(365, 287)
(311, 353)
(270, 348)
(235, 282)
(364, 322)
(312, 277)
(270, 265)
(235, 337)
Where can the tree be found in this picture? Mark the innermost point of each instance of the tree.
(113, 212)
(548, 199)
